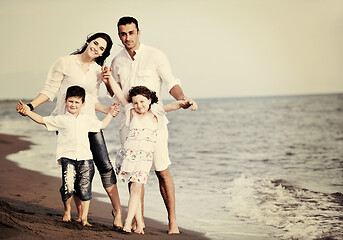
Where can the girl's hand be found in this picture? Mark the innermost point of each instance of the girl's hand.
(193, 104)
(22, 108)
(189, 102)
(105, 74)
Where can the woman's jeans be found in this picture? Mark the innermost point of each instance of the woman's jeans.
(101, 159)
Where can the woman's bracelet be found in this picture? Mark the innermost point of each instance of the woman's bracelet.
(30, 106)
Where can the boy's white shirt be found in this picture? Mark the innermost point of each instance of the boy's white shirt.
(73, 142)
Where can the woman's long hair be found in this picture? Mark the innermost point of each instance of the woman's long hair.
(99, 60)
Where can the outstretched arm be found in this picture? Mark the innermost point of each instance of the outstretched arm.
(113, 111)
(106, 121)
(101, 108)
(52, 85)
(177, 105)
(117, 90)
(104, 109)
(41, 98)
(177, 93)
(22, 109)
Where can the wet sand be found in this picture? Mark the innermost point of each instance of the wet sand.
(31, 208)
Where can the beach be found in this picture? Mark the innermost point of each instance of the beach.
(31, 208)
(265, 168)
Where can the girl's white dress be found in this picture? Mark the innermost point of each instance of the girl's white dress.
(134, 158)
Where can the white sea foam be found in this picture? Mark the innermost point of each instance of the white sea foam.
(300, 213)
(282, 145)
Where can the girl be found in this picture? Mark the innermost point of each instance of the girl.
(134, 159)
(83, 68)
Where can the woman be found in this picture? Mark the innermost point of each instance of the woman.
(83, 68)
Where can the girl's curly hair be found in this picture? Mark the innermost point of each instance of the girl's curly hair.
(142, 90)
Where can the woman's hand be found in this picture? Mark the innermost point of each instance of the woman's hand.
(41, 98)
(22, 108)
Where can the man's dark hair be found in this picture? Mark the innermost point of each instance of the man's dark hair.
(76, 91)
(127, 20)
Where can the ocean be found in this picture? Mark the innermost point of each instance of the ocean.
(244, 168)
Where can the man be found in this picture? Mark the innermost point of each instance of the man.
(136, 65)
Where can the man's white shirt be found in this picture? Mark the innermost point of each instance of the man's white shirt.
(149, 68)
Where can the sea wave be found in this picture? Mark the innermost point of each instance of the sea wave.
(300, 213)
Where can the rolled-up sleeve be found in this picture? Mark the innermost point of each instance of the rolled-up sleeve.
(54, 79)
(165, 73)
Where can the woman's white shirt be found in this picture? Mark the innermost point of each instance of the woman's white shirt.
(66, 72)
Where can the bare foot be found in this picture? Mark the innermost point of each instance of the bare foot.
(66, 217)
(139, 230)
(86, 224)
(134, 226)
(173, 228)
(127, 228)
(117, 222)
(78, 220)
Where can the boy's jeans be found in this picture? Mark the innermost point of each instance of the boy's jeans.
(77, 179)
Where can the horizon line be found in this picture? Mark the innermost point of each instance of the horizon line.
(221, 97)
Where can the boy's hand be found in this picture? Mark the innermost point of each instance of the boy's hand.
(114, 109)
(22, 108)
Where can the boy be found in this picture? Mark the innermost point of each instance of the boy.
(73, 150)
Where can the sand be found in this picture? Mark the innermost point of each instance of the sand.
(31, 208)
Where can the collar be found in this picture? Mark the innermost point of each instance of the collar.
(68, 114)
(77, 60)
(138, 51)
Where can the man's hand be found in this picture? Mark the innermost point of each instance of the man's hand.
(189, 102)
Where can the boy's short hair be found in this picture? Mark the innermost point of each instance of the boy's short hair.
(76, 91)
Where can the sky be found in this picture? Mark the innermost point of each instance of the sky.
(218, 48)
